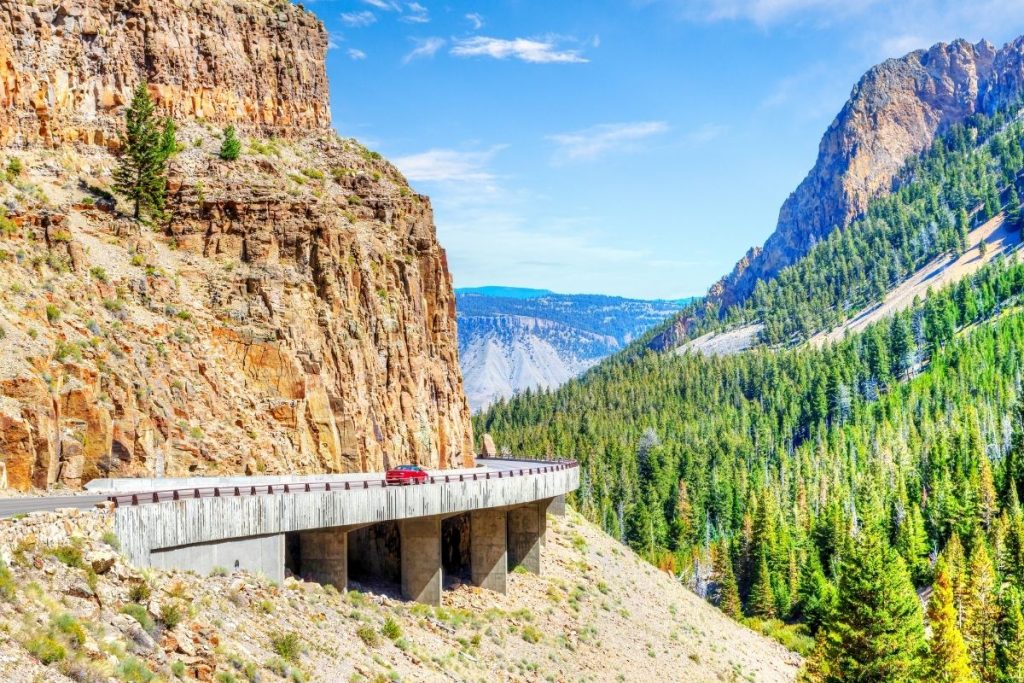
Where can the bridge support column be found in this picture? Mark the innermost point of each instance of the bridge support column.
(324, 554)
(526, 529)
(421, 559)
(488, 549)
(556, 506)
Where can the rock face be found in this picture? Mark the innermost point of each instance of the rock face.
(67, 68)
(893, 113)
(293, 313)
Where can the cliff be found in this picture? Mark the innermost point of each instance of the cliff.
(294, 312)
(893, 114)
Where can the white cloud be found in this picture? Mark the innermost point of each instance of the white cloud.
(425, 48)
(355, 54)
(418, 14)
(449, 166)
(476, 19)
(384, 5)
(334, 41)
(543, 51)
(593, 142)
(358, 19)
(765, 12)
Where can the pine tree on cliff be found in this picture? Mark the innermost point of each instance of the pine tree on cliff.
(141, 174)
(876, 632)
(231, 147)
(948, 661)
(1010, 645)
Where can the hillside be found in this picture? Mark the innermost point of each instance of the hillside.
(292, 312)
(598, 613)
(513, 339)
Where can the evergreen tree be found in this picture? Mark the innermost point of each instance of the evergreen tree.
(948, 661)
(141, 174)
(981, 613)
(231, 147)
(728, 594)
(762, 597)
(1010, 644)
(877, 631)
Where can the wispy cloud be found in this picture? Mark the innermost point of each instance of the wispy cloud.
(356, 54)
(417, 14)
(384, 5)
(425, 48)
(449, 166)
(765, 12)
(358, 19)
(535, 51)
(709, 132)
(596, 141)
(476, 20)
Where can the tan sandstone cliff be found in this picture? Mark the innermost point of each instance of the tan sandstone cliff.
(294, 313)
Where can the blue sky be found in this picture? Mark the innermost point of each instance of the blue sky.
(635, 148)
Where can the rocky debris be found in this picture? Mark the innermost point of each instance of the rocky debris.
(597, 613)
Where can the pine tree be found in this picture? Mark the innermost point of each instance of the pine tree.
(762, 597)
(728, 593)
(231, 147)
(981, 613)
(817, 597)
(1010, 643)
(141, 174)
(948, 661)
(877, 630)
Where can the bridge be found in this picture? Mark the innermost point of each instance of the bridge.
(467, 525)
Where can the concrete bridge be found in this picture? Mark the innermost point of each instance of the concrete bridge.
(470, 525)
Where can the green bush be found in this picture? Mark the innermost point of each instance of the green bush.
(287, 646)
(99, 273)
(178, 668)
(140, 592)
(531, 634)
(8, 586)
(225, 677)
(391, 629)
(69, 555)
(231, 147)
(170, 614)
(313, 173)
(52, 313)
(46, 649)
(14, 167)
(139, 614)
(368, 636)
(111, 539)
(71, 627)
(133, 670)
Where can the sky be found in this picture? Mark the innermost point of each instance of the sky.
(627, 147)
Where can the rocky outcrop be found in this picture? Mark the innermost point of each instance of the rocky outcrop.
(68, 67)
(294, 311)
(893, 113)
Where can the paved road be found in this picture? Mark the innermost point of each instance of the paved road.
(10, 507)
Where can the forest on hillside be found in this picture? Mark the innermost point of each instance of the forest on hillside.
(817, 491)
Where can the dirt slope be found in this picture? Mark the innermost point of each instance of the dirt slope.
(598, 614)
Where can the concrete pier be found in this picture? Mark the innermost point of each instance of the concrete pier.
(323, 554)
(526, 529)
(489, 549)
(421, 559)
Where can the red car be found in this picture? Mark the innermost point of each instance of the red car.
(406, 474)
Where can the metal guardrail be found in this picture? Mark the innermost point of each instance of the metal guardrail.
(170, 495)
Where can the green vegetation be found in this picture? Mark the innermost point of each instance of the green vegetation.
(391, 630)
(141, 175)
(133, 670)
(231, 146)
(46, 649)
(139, 614)
(170, 614)
(287, 646)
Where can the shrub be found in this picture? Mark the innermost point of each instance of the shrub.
(139, 614)
(170, 614)
(178, 668)
(391, 629)
(313, 173)
(368, 636)
(46, 649)
(140, 592)
(14, 167)
(134, 671)
(354, 199)
(52, 313)
(99, 273)
(111, 539)
(216, 571)
(8, 586)
(287, 646)
(224, 677)
(531, 634)
(113, 305)
(69, 626)
(69, 555)
(231, 147)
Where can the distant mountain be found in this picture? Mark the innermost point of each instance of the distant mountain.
(511, 339)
